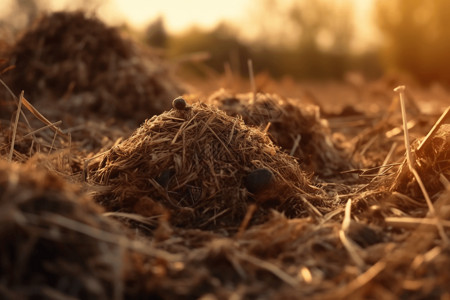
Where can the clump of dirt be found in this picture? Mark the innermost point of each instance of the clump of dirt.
(80, 66)
(296, 127)
(51, 237)
(204, 168)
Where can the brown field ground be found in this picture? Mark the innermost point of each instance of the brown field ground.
(284, 190)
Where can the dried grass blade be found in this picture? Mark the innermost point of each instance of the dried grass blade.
(348, 244)
(105, 236)
(16, 121)
(38, 115)
(272, 268)
(440, 227)
(435, 127)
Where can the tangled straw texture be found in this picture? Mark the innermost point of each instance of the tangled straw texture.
(41, 256)
(193, 163)
(294, 126)
(87, 67)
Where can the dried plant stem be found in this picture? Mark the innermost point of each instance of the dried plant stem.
(440, 227)
(436, 126)
(388, 157)
(104, 236)
(348, 244)
(295, 145)
(359, 281)
(252, 77)
(272, 268)
(401, 91)
(16, 121)
(248, 216)
(57, 123)
(39, 116)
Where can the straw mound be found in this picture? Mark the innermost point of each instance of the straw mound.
(202, 166)
(88, 68)
(432, 161)
(294, 126)
(45, 249)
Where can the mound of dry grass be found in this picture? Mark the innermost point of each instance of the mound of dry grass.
(202, 166)
(295, 127)
(432, 161)
(86, 68)
(50, 239)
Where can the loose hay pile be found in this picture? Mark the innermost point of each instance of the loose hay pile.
(46, 250)
(203, 167)
(212, 175)
(87, 68)
(294, 126)
(432, 159)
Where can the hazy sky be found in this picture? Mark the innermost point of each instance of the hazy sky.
(180, 14)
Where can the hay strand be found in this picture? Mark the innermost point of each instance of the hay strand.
(16, 121)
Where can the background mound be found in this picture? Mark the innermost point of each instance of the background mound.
(296, 127)
(88, 68)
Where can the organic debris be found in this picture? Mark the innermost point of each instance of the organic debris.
(52, 239)
(204, 167)
(73, 63)
(432, 161)
(294, 126)
(219, 211)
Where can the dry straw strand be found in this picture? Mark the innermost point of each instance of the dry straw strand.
(16, 121)
(349, 245)
(440, 227)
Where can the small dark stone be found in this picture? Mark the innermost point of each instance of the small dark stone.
(363, 235)
(179, 103)
(258, 180)
(164, 178)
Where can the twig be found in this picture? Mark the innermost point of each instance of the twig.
(436, 126)
(409, 222)
(16, 121)
(312, 207)
(388, 157)
(272, 268)
(359, 281)
(248, 216)
(348, 244)
(296, 143)
(38, 115)
(42, 128)
(401, 91)
(102, 235)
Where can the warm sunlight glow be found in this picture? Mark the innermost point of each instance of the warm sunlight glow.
(180, 14)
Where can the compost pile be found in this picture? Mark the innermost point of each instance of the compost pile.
(45, 249)
(70, 62)
(202, 166)
(295, 126)
(245, 196)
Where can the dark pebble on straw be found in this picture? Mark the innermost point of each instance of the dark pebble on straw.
(258, 180)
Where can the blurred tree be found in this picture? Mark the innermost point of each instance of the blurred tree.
(221, 43)
(315, 35)
(23, 12)
(325, 31)
(156, 34)
(298, 38)
(416, 37)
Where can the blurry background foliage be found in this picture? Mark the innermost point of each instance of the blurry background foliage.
(416, 37)
(304, 39)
